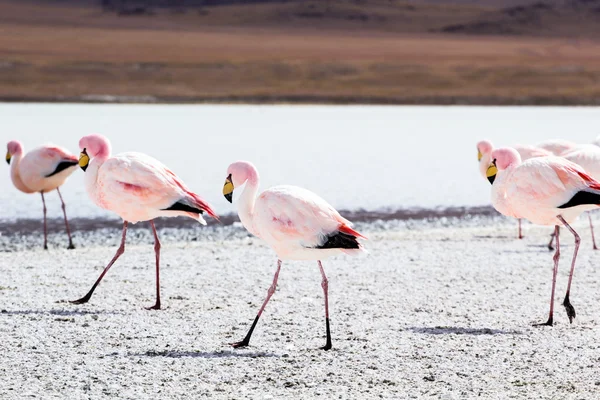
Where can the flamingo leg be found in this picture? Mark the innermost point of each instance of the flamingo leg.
(325, 286)
(592, 229)
(45, 223)
(566, 303)
(157, 251)
(550, 246)
(270, 292)
(554, 273)
(120, 251)
(64, 209)
(520, 231)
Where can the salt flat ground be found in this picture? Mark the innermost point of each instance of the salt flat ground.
(442, 310)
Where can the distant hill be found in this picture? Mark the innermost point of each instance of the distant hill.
(557, 18)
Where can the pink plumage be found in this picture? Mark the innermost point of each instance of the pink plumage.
(295, 222)
(138, 188)
(546, 191)
(41, 170)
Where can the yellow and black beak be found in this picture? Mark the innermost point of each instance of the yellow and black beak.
(8, 156)
(491, 172)
(479, 155)
(228, 189)
(84, 160)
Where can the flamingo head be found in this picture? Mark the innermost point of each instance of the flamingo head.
(237, 174)
(92, 146)
(484, 148)
(502, 159)
(13, 147)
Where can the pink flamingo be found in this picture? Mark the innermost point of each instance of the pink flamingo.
(41, 170)
(296, 223)
(546, 191)
(137, 188)
(484, 156)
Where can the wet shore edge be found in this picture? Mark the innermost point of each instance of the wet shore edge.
(27, 226)
(314, 100)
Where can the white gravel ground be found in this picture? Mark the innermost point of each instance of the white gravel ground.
(431, 312)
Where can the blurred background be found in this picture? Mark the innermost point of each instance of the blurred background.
(333, 51)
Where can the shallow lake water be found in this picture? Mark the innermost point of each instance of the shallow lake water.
(356, 157)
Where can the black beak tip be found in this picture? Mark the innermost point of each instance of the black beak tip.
(492, 179)
(8, 161)
(229, 197)
(84, 168)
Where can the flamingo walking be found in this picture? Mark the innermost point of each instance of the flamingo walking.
(484, 156)
(41, 171)
(296, 223)
(546, 191)
(138, 188)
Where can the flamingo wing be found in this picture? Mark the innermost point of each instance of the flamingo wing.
(293, 214)
(137, 180)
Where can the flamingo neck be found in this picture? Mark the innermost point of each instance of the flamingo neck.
(247, 201)
(15, 174)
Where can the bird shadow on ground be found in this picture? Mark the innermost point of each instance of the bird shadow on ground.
(64, 313)
(203, 354)
(455, 330)
(492, 237)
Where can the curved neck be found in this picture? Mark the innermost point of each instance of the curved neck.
(15, 174)
(247, 201)
(484, 163)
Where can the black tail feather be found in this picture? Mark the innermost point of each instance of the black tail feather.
(179, 206)
(340, 240)
(61, 167)
(582, 198)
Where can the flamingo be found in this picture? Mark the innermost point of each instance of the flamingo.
(138, 188)
(556, 146)
(546, 191)
(41, 170)
(484, 156)
(296, 223)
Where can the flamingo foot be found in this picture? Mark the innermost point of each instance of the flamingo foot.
(242, 344)
(550, 322)
(154, 307)
(71, 247)
(82, 300)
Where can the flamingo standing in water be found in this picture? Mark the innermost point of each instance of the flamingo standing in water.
(41, 171)
(137, 188)
(546, 191)
(296, 223)
(484, 156)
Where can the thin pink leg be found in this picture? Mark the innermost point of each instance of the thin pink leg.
(45, 224)
(157, 251)
(554, 273)
(325, 286)
(592, 229)
(120, 251)
(270, 292)
(569, 308)
(520, 232)
(64, 208)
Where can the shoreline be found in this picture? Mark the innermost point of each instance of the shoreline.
(31, 226)
(312, 99)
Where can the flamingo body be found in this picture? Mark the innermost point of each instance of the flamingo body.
(298, 224)
(138, 188)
